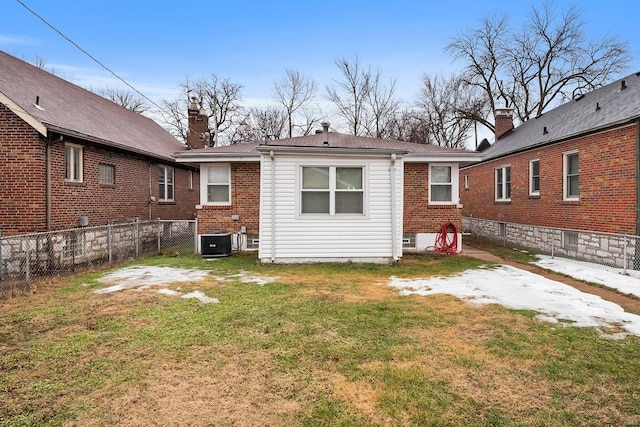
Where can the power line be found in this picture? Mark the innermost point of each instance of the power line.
(90, 56)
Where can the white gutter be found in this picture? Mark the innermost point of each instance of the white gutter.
(394, 231)
(273, 205)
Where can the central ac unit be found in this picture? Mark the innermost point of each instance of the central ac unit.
(216, 244)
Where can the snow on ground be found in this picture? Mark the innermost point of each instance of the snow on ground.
(590, 272)
(521, 290)
(509, 286)
(145, 277)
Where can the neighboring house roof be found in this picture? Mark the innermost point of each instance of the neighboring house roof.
(71, 110)
(336, 142)
(614, 104)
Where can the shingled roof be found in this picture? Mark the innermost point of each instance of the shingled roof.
(611, 105)
(68, 109)
(336, 141)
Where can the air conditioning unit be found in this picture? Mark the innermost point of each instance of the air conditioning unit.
(216, 244)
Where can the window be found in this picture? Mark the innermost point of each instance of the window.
(571, 173)
(440, 184)
(73, 162)
(503, 183)
(190, 180)
(534, 177)
(72, 244)
(570, 239)
(166, 184)
(466, 181)
(332, 190)
(107, 174)
(219, 185)
(502, 229)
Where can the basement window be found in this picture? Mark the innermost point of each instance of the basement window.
(570, 239)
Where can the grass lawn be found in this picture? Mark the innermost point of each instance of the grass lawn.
(320, 345)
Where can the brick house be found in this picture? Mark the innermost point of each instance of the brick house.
(569, 172)
(329, 196)
(68, 156)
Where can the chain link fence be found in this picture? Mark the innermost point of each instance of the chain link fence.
(26, 256)
(611, 251)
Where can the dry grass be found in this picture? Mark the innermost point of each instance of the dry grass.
(324, 345)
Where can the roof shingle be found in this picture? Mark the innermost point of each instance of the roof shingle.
(65, 107)
(604, 107)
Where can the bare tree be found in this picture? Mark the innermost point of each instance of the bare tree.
(125, 99)
(175, 117)
(411, 125)
(293, 91)
(383, 107)
(534, 67)
(351, 93)
(220, 98)
(39, 62)
(449, 108)
(260, 124)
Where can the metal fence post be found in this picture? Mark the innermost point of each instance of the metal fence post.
(624, 255)
(27, 262)
(136, 231)
(195, 236)
(552, 244)
(158, 233)
(110, 241)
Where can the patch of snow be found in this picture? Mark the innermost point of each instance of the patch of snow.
(246, 277)
(202, 297)
(136, 276)
(142, 278)
(521, 290)
(110, 289)
(165, 291)
(590, 272)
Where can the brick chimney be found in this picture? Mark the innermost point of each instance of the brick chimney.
(198, 132)
(504, 121)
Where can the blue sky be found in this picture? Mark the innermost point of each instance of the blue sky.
(155, 45)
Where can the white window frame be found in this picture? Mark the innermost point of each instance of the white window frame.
(454, 184)
(112, 174)
(502, 172)
(565, 176)
(204, 184)
(532, 191)
(163, 197)
(333, 190)
(72, 162)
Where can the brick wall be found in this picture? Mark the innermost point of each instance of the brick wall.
(245, 202)
(22, 176)
(23, 184)
(419, 217)
(607, 185)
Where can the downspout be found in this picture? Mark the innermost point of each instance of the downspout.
(273, 205)
(636, 262)
(149, 199)
(394, 232)
(637, 178)
(48, 181)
